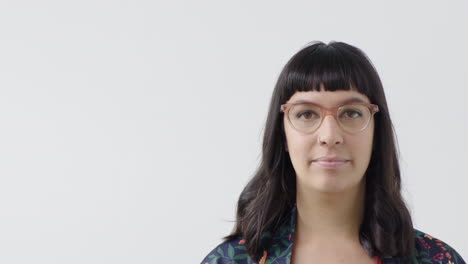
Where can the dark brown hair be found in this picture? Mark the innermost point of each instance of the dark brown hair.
(268, 198)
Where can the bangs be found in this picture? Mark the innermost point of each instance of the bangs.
(331, 66)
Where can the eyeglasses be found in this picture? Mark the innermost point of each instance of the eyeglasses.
(307, 117)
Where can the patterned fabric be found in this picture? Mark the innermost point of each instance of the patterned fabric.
(429, 250)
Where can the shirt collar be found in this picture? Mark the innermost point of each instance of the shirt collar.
(278, 246)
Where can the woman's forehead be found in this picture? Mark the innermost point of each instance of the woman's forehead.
(328, 98)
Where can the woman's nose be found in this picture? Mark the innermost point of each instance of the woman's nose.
(329, 132)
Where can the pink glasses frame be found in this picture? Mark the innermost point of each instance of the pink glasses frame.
(329, 111)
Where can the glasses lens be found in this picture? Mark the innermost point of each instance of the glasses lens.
(354, 118)
(305, 117)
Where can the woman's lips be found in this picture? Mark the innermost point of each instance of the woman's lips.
(330, 164)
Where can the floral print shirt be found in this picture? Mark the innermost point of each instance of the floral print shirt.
(428, 250)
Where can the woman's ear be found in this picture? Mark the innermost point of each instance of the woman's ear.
(283, 135)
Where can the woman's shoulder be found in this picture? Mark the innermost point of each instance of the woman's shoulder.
(233, 251)
(433, 250)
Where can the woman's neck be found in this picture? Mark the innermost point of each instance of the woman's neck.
(323, 217)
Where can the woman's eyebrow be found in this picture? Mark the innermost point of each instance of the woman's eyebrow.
(347, 101)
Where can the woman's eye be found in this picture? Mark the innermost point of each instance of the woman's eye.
(352, 114)
(307, 114)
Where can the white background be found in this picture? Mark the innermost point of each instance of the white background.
(129, 128)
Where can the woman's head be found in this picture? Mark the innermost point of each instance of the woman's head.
(327, 75)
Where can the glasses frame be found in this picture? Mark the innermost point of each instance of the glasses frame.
(284, 108)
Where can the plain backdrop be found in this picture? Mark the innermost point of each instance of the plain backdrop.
(128, 128)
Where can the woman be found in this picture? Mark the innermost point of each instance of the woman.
(328, 186)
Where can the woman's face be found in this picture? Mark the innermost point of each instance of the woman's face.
(329, 140)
